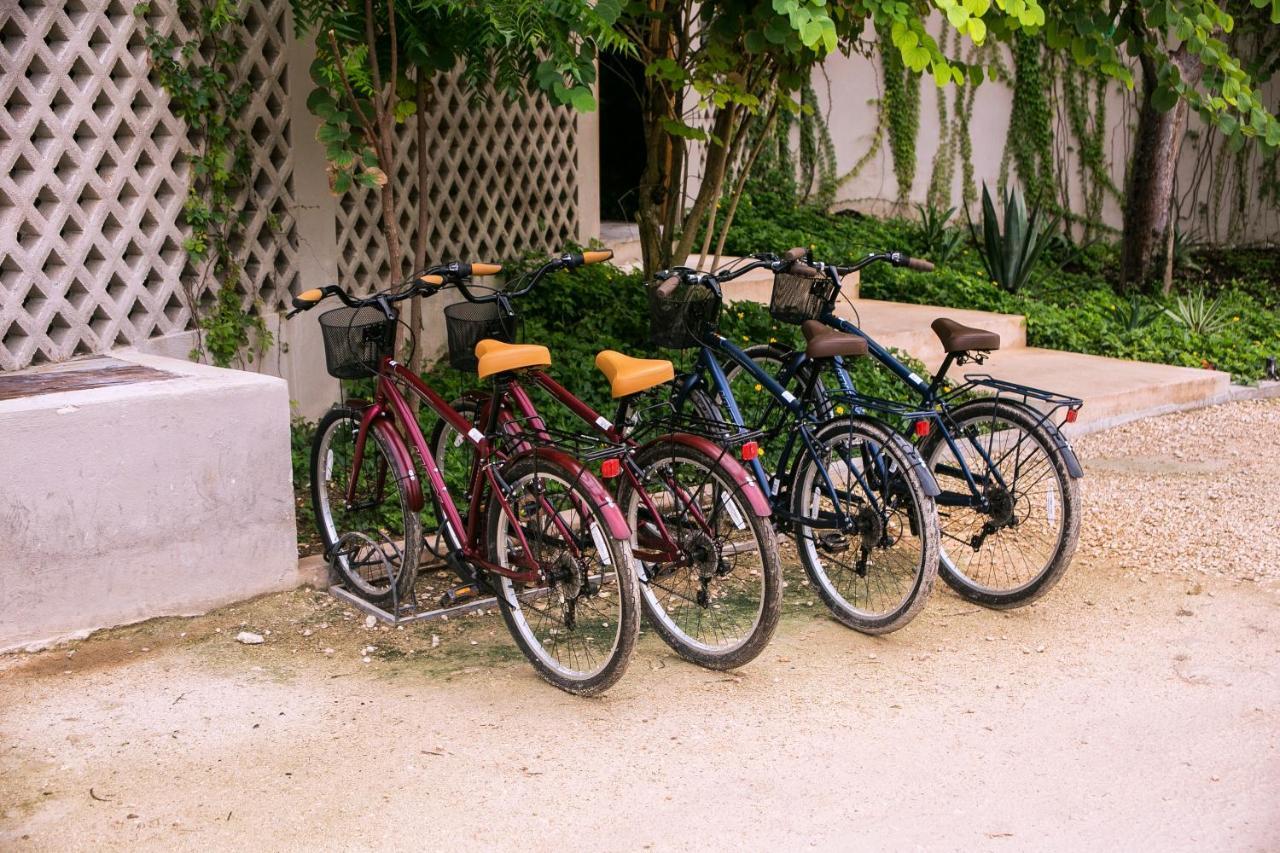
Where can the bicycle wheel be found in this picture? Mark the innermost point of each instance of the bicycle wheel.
(578, 623)
(754, 399)
(375, 539)
(1014, 551)
(877, 573)
(718, 602)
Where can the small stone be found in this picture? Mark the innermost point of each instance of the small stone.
(370, 621)
(368, 650)
(249, 638)
(306, 633)
(474, 643)
(1040, 649)
(328, 651)
(435, 640)
(366, 660)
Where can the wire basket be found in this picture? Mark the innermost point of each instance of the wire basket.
(356, 340)
(468, 323)
(798, 297)
(683, 318)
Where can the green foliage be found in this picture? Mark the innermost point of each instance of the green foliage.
(1089, 128)
(939, 241)
(1198, 314)
(1010, 255)
(1137, 314)
(199, 72)
(1029, 144)
(902, 103)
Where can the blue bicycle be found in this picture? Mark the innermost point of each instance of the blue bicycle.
(856, 497)
(1009, 500)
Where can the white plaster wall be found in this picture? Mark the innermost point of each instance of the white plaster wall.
(133, 501)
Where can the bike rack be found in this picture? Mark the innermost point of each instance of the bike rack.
(1023, 394)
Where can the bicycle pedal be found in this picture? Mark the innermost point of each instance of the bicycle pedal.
(461, 594)
(833, 543)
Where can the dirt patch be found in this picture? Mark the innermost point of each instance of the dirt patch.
(1136, 706)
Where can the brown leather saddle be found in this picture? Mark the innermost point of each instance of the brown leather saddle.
(826, 342)
(957, 337)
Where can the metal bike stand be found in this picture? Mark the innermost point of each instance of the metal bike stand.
(408, 613)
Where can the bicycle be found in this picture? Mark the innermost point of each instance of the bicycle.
(541, 532)
(1009, 503)
(856, 497)
(710, 577)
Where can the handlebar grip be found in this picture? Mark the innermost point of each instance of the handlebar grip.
(597, 257)
(433, 280)
(804, 270)
(794, 254)
(307, 299)
(669, 286)
(918, 264)
(485, 269)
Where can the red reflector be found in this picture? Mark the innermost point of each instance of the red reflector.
(1072, 414)
(750, 450)
(922, 428)
(610, 468)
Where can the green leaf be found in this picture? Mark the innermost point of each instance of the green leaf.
(1164, 99)
(581, 99)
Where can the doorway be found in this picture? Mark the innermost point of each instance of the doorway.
(622, 153)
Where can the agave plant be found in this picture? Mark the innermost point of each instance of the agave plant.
(1011, 255)
(1138, 313)
(1200, 315)
(938, 241)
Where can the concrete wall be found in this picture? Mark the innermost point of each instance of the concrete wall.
(133, 501)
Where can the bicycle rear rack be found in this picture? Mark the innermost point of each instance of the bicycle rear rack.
(1037, 399)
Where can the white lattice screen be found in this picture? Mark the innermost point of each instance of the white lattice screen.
(92, 180)
(503, 182)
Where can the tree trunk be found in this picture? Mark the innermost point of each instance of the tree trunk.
(1150, 183)
(423, 93)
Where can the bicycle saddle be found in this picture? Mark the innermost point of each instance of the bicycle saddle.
(628, 375)
(826, 342)
(497, 357)
(957, 337)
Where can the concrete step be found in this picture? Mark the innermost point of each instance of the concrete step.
(1114, 390)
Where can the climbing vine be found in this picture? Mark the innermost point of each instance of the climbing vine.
(199, 71)
(1087, 119)
(1029, 144)
(901, 105)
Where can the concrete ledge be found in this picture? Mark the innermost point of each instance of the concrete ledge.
(133, 501)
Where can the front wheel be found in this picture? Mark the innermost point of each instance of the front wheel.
(578, 623)
(866, 529)
(1009, 542)
(374, 540)
(717, 599)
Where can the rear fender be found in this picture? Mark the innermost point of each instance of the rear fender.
(736, 471)
(1064, 447)
(384, 428)
(618, 528)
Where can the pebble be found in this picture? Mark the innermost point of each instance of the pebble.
(435, 641)
(370, 621)
(328, 651)
(249, 638)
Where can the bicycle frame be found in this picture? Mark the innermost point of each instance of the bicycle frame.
(515, 409)
(391, 413)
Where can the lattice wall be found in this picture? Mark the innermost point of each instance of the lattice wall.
(503, 182)
(92, 180)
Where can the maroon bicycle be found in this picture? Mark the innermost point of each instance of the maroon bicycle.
(540, 531)
(707, 557)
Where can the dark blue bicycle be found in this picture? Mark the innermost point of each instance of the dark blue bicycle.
(1009, 501)
(856, 497)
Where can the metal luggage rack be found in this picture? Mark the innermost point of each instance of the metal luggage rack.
(587, 448)
(1025, 394)
(661, 417)
(890, 408)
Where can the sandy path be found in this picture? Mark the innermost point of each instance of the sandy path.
(1128, 709)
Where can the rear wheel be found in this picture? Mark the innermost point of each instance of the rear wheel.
(875, 573)
(577, 624)
(1015, 549)
(718, 601)
(374, 541)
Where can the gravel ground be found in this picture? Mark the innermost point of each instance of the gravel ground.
(1193, 493)
(1137, 706)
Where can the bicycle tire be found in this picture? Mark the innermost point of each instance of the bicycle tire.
(519, 474)
(690, 606)
(958, 574)
(401, 537)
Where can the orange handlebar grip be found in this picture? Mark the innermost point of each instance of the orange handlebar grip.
(311, 296)
(597, 257)
(431, 279)
(486, 269)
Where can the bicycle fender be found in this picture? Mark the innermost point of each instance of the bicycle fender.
(736, 471)
(403, 458)
(618, 528)
(927, 482)
(1064, 447)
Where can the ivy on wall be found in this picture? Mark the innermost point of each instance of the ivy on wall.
(901, 105)
(1029, 143)
(1084, 95)
(199, 71)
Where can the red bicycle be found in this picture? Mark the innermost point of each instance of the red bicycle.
(541, 532)
(707, 556)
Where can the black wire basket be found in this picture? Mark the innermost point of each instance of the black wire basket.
(468, 323)
(684, 317)
(356, 340)
(799, 296)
